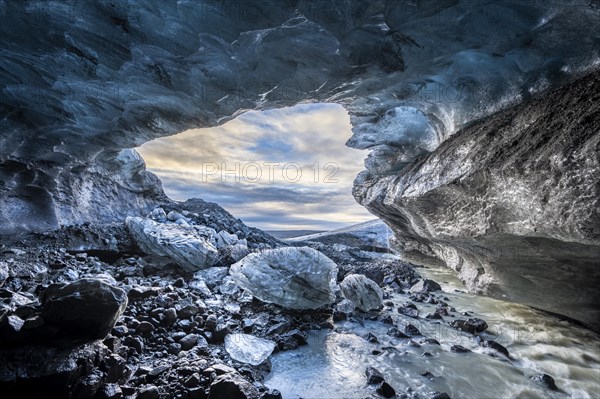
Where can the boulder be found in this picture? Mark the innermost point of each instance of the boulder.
(232, 386)
(87, 308)
(424, 286)
(362, 291)
(297, 278)
(188, 246)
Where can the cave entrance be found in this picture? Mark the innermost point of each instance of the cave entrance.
(281, 169)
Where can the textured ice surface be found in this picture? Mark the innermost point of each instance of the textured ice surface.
(249, 349)
(298, 278)
(185, 245)
(83, 80)
(362, 291)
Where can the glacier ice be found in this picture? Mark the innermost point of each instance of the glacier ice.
(362, 291)
(185, 245)
(297, 278)
(249, 349)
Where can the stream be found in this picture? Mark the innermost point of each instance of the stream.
(333, 363)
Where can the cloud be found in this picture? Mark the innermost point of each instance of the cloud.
(278, 169)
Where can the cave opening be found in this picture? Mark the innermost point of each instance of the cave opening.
(280, 169)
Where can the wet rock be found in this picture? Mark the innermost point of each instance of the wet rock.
(396, 333)
(144, 327)
(87, 308)
(410, 329)
(148, 392)
(471, 325)
(232, 386)
(110, 391)
(372, 338)
(386, 390)
(492, 345)
(459, 349)
(440, 395)
(187, 246)
(409, 310)
(297, 278)
(88, 386)
(189, 341)
(248, 349)
(547, 381)
(374, 376)
(431, 341)
(427, 374)
(433, 316)
(424, 286)
(362, 291)
(170, 316)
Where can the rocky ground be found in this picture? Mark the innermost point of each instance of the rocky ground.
(86, 313)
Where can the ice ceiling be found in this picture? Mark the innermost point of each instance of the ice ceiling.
(83, 80)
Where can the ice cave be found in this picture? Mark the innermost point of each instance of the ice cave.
(435, 233)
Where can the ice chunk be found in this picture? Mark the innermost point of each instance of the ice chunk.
(298, 278)
(184, 245)
(248, 348)
(364, 292)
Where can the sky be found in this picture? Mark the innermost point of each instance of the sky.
(279, 169)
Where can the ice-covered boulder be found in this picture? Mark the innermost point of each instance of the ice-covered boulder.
(297, 278)
(189, 246)
(362, 291)
(249, 349)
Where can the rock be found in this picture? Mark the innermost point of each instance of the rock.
(362, 291)
(86, 308)
(396, 333)
(372, 338)
(470, 326)
(385, 390)
(248, 349)
(409, 329)
(110, 391)
(148, 392)
(440, 395)
(547, 381)
(297, 278)
(232, 386)
(424, 286)
(189, 341)
(144, 327)
(170, 315)
(185, 245)
(410, 311)
(459, 349)
(492, 345)
(374, 376)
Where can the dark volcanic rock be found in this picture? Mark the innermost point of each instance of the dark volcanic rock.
(386, 390)
(232, 386)
(374, 376)
(471, 325)
(87, 308)
(547, 381)
(459, 349)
